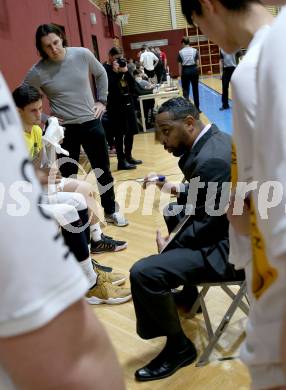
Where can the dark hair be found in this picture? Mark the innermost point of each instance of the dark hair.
(144, 47)
(45, 29)
(114, 51)
(26, 94)
(190, 6)
(179, 108)
(136, 72)
(186, 40)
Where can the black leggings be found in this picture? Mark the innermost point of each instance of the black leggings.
(78, 242)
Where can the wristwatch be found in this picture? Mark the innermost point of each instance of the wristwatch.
(102, 101)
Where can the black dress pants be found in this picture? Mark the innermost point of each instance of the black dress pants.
(92, 137)
(226, 77)
(190, 75)
(124, 126)
(124, 144)
(153, 277)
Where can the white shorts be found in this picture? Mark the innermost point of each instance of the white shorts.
(64, 206)
(64, 214)
(262, 350)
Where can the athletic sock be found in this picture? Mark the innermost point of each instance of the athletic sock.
(89, 272)
(96, 231)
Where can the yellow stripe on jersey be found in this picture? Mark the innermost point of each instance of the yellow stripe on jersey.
(264, 275)
(234, 170)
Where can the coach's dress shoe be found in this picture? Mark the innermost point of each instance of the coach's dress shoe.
(167, 363)
(123, 165)
(133, 161)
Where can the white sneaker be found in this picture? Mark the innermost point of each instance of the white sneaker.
(117, 219)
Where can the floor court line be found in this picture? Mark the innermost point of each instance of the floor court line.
(210, 102)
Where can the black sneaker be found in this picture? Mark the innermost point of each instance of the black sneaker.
(107, 244)
(100, 267)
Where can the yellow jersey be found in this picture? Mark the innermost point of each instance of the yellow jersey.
(34, 141)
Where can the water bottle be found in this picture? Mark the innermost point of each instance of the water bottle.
(168, 79)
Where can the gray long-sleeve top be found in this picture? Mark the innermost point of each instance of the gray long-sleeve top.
(67, 84)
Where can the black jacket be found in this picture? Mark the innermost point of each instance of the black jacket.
(120, 89)
(209, 159)
(120, 104)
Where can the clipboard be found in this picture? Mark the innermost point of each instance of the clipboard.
(176, 230)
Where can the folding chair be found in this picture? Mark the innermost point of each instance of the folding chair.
(237, 301)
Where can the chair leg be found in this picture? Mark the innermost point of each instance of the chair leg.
(197, 303)
(207, 319)
(204, 358)
(231, 294)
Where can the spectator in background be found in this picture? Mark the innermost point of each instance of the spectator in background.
(228, 63)
(162, 65)
(120, 108)
(131, 65)
(144, 87)
(113, 54)
(149, 60)
(188, 59)
(140, 68)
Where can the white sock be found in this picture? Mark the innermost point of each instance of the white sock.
(95, 231)
(89, 272)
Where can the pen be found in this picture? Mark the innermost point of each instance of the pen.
(160, 178)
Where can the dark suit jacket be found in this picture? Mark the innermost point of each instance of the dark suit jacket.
(209, 159)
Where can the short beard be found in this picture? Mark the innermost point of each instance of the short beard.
(180, 150)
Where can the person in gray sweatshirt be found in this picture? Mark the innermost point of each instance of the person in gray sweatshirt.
(63, 75)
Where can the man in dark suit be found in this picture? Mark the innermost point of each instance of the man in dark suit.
(199, 250)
